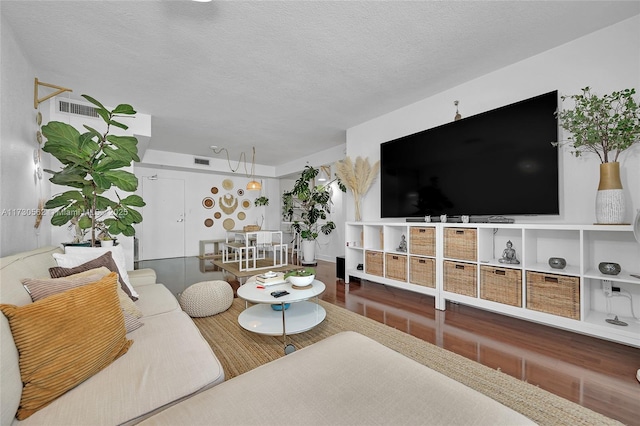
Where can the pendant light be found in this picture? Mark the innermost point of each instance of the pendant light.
(253, 184)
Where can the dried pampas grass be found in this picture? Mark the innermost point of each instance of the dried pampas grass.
(358, 178)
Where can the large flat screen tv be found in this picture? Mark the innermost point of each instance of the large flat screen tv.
(500, 162)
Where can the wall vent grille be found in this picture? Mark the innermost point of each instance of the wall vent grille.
(201, 161)
(76, 109)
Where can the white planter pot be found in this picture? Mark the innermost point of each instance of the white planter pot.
(308, 251)
(106, 243)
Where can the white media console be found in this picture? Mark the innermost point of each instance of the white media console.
(459, 262)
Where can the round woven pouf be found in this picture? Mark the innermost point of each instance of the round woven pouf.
(206, 298)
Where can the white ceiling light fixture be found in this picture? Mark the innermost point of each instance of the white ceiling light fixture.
(253, 184)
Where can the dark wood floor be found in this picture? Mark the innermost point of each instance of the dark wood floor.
(595, 373)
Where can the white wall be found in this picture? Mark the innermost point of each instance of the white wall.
(606, 60)
(198, 186)
(20, 189)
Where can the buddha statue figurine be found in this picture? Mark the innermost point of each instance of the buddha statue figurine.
(509, 254)
(403, 244)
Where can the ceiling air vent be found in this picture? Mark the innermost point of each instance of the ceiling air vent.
(201, 161)
(70, 107)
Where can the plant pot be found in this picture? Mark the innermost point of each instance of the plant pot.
(298, 281)
(308, 251)
(80, 244)
(106, 243)
(610, 202)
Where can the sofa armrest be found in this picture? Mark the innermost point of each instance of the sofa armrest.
(140, 277)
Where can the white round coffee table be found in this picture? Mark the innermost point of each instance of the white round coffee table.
(301, 315)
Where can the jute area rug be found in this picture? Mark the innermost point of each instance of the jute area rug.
(240, 351)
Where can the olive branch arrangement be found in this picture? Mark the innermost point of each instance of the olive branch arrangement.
(603, 125)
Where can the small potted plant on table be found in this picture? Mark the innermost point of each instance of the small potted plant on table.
(301, 278)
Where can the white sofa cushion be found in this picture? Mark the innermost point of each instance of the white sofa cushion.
(346, 379)
(156, 299)
(166, 363)
(35, 263)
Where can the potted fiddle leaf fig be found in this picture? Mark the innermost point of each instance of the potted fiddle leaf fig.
(92, 163)
(307, 206)
(605, 126)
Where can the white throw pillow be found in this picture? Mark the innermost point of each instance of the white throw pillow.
(74, 256)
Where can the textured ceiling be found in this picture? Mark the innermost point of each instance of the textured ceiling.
(287, 77)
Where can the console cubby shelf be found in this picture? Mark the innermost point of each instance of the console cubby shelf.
(571, 298)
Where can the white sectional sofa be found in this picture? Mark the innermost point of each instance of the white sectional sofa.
(168, 361)
(170, 376)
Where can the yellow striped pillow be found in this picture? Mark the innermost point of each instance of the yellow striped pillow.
(66, 338)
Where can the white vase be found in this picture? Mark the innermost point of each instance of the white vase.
(610, 202)
(308, 251)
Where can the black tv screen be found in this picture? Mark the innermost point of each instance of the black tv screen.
(500, 162)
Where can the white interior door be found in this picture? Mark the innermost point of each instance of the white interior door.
(163, 230)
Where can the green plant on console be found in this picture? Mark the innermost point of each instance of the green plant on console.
(300, 273)
(306, 205)
(603, 125)
(91, 164)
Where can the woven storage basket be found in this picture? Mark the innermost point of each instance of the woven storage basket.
(422, 271)
(396, 266)
(460, 278)
(460, 243)
(554, 294)
(501, 285)
(373, 262)
(422, 241)
(250, 228)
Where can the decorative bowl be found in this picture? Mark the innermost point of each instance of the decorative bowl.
(278, 306)
(557, 262)
(299, 281)
(609, 268)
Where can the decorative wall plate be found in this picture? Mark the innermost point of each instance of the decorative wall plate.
(208, 223)
(39, 137)
(228, 203)
(217, 215)
(227, 184)
(39, 118)
(240, 192)
(214, 189)
(242, 215)
(246, 204)
(208, 202)
(229, 224)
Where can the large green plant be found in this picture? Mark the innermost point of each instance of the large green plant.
(91, 164)
(603, 125)
(307, 205)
